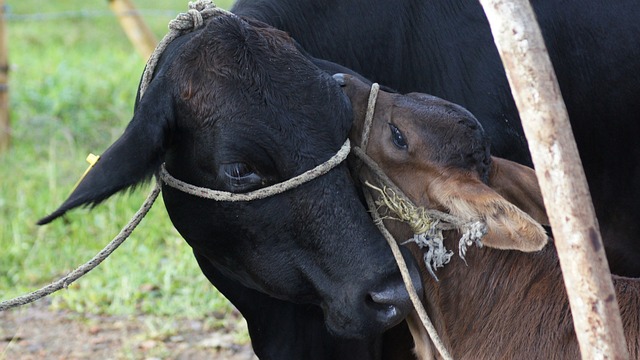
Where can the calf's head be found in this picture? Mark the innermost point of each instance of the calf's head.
(234, 106)
(438, 154)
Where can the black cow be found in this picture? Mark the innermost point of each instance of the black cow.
(445, 48)
(234, 106)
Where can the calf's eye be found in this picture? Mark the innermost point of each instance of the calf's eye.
(397, 137)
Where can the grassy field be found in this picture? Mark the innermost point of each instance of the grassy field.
(73, 79)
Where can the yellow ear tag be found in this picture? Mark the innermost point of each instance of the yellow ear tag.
(92, 160)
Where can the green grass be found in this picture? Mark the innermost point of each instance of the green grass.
(72, 88)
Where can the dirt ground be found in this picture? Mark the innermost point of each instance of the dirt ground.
(37, 332)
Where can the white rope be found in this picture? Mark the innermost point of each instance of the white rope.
(91, 264)
(406, 277)
(368, 118)
(261, 193)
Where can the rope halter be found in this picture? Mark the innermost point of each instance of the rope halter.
(193, 19)
(261, 193)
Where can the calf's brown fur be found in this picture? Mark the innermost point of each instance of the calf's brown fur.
(506, 304)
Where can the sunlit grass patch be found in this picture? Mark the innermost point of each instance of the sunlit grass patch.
(72, 87)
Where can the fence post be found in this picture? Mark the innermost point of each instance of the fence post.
(5, 126)
(562, 180)
(138, 32)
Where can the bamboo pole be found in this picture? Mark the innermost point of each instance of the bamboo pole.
(562, 180)
(5, 123)
(138, 32)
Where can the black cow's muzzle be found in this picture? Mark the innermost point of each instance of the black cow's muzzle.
(393, 301)
(381, 306)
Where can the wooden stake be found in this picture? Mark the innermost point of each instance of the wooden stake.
(138, 32)
(5, 123)
(562, 180)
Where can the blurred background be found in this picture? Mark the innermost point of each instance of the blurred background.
(73, 76)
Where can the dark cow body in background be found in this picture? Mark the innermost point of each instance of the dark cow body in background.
(445, 48)
(500, 304)
(234, 106)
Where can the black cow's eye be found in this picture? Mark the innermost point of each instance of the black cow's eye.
(397, 137)
(241, 175)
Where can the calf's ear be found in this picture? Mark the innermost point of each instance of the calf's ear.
(131, 159)
(518, 184)
(510, 227)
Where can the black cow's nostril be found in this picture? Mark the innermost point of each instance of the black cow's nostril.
(389, 296)
(391, 304)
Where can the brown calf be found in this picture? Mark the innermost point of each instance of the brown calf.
(504, 304)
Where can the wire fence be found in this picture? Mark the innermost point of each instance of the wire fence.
(132, 20)
(83, 14)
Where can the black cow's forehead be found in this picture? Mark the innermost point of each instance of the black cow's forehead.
(232, 63)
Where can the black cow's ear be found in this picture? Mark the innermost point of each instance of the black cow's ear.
(131, 159)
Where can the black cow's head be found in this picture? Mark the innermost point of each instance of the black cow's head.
(234, 106)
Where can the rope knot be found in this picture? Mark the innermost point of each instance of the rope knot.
(195, 16)
(428, 225)
(192, 19)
